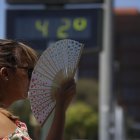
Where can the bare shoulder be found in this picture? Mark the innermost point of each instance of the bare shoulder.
(6, 126)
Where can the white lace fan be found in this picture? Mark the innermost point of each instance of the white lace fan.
(56, 64)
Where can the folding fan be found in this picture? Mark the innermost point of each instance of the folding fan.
(57, 64)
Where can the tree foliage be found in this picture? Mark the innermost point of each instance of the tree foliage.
(81, 122)
(82, 115)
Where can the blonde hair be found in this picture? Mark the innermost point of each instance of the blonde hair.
(12, 54)
(8, 114)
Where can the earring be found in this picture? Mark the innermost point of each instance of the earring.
(6, 78)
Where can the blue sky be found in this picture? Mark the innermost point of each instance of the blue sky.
(127, 3)
(117, 3)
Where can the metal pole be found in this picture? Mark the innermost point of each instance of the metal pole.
(119, 124)
(105, 73)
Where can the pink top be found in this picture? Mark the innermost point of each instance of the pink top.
(21, 132)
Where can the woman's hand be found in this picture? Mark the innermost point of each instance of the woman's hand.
(65, 94)
(63, 97)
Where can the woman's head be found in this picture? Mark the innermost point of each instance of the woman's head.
(16, 62)
(14, 54)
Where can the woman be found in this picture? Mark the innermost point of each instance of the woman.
(17, 61)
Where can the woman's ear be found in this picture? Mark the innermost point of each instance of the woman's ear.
(4, 73)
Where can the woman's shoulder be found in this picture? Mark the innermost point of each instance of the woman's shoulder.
(10, 129)
(7, 126)
(21, 131)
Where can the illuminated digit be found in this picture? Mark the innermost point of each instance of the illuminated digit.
(61, 31)
(42, 27)
(80, 24)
